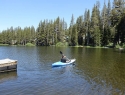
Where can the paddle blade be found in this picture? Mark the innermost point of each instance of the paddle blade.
(61, 52)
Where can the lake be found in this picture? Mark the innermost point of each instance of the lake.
(96, 71)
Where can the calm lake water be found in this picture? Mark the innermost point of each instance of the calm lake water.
(96, 71)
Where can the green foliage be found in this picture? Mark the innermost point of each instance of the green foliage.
(30, 44)
(95, 26)
(98, 29)
(62, 44)
(4, 44)
(74, 36)
(117, 46)
(124, 46)
(51, 32)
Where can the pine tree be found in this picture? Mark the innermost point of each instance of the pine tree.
(41, 33)
(95, 26)
(19, 35)
(117, 13)
(74, 36)
(71, 29)
(87, 25)
(104, 28)
(80, 30)
(33, 35)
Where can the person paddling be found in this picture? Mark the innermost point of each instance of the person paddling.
(64, 58)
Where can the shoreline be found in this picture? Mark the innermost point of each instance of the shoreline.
(120, 48)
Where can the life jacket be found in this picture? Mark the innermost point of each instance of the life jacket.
(63, 60)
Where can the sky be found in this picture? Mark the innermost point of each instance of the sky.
(25, 13)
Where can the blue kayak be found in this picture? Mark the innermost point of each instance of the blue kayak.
(59, 63)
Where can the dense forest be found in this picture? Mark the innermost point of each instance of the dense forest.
(101, 28)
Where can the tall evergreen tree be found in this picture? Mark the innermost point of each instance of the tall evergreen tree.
(41, 33)
(95, 26)
(117, 12)
(87, 27)
(120, 27)
(104, 27)
(19, 37)
(71, 29)
(80, 29)
(74, 36)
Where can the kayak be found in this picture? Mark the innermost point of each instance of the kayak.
(59, 63)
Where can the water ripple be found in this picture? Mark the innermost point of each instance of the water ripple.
(97, 72)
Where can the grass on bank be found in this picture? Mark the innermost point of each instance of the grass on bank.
(29, 44)
(62, 44)
(65, 44)
(4, 44)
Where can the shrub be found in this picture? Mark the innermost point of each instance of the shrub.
(62, 44)
(30, 44)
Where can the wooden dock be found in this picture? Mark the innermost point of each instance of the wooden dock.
(7, 65)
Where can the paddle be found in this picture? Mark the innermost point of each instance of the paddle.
(61, 52)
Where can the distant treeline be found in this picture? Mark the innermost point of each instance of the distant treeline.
(101, 28)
